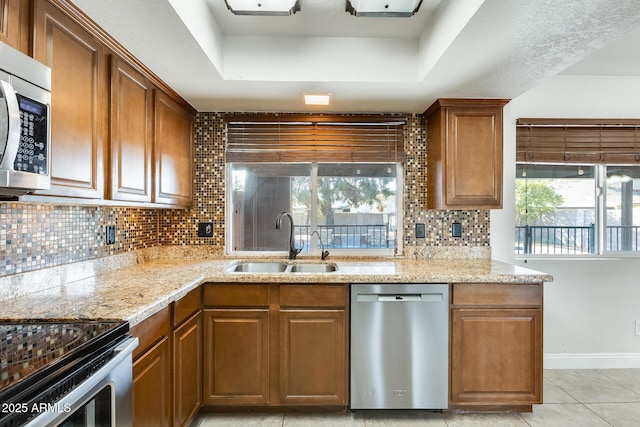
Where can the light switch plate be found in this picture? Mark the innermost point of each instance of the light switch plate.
(456, 229)
(110, 234)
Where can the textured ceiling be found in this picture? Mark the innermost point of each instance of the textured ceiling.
(479, 48)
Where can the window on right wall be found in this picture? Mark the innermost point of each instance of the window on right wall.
(577, 187)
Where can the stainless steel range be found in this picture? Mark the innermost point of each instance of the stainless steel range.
(65, 374)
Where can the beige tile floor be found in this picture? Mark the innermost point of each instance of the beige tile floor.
(585, 398)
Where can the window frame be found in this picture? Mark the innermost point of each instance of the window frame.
(314, 249)
(600, 217)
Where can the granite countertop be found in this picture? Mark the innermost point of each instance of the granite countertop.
(135, 292)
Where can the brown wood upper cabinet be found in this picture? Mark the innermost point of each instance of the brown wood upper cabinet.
(131, 133)
(14, 24)
(118, 133)
(80, 82)
(464, 153)
(173, 152)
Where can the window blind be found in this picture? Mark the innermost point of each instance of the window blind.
(578, 141)
(315, 139)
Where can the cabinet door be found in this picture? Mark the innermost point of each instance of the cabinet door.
(173, 152)
(14, 23)
(187, 370)
(236, 357)
(464, 153)
(131, 133)
(474, 157)
(313, 357)
(152, 387)
(496, 356)
(79, 99)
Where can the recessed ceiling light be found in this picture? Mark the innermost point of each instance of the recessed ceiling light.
(391, 8)
(317, 98)
(263, 7)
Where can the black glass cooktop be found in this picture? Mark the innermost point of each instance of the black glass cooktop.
(31, 347)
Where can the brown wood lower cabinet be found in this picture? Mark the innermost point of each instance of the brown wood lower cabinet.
(312, 357)
(275, 345)
(496, 345)
(187, 370)
(151, 386)
(152, 371)
(236, 357)
(167, 365)
(254, 346)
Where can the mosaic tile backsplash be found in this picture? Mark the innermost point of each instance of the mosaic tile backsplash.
(35, 236)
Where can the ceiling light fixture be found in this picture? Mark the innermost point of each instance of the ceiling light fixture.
(317, 98)
(381, 8)
(263, 7)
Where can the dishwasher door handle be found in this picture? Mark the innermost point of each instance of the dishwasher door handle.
(426, 297)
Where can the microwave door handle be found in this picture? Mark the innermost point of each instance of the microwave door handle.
(13, 134)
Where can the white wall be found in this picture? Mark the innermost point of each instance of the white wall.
(592, 304)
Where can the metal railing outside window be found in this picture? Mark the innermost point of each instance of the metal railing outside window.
(623, 238)
(546, 239)
(574, 240)
(370, 236)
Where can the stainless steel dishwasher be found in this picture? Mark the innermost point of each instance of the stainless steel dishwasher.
(399, 346)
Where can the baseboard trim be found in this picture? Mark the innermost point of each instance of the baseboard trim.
(591, 360)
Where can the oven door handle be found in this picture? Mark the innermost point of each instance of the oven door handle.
(9, 147)
(117, 371)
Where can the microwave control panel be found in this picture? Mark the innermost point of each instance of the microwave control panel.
(33, 149)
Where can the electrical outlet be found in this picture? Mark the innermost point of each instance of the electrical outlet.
(420, 231)
(205, 229)
(110, 234)
(637, 327)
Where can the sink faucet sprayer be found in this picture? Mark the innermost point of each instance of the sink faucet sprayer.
(293, 251)
(323, 254)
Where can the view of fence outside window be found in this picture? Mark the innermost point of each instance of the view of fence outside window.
(622, 208)
(353, 206)
(559, 212)
(555, 209)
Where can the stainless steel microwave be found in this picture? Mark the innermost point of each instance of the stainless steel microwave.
(25, 123)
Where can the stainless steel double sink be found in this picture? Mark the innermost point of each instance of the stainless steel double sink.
(281, 267)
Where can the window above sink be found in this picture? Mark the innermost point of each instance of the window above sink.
(354, 207)
(338, 175)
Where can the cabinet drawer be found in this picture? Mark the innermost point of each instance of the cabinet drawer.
(150, 331)
(236, 295)
(312, 296)
(186, 306)
(494, 294)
